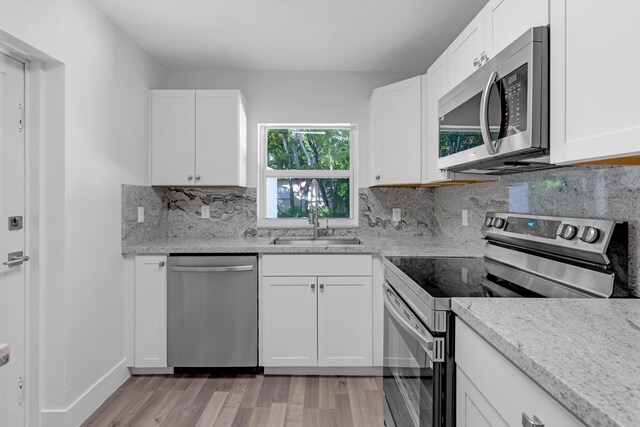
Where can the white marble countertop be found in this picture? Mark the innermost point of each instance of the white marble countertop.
(4, 354)
(584, 352)
(409, 246)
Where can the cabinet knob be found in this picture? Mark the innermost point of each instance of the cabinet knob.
(528, 422)
(321, 286)
(377, 176)
(483, 57)
(190, 178)
(161, 264)
(197, 177)
(313, 286)
(476, 62)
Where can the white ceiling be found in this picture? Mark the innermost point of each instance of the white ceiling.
(293, 35)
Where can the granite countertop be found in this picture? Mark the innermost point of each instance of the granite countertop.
(4, 354)
(409, 246)
(584, 352)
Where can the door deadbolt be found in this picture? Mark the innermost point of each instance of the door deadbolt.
(15, 223)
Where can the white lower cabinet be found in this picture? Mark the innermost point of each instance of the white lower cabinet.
(311, 321)
(492, 391)
(150, 312)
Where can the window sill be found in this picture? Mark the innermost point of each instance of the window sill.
(303, 223)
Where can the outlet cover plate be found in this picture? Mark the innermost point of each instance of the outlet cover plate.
(397, 215)
(204, 211)
(140, 213)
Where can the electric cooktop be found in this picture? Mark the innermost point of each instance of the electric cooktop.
(455, 277)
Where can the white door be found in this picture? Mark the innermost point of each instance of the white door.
(345, 333)
(217, 137)
(289, 316)
(465, 50)
(472, 407)
(436, 89)
(150, 312)
(397, 135)
(12, 204)
(173, 137)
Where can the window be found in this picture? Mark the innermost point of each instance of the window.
(291, 157)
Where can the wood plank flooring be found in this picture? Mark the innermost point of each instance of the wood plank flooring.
(245, 400)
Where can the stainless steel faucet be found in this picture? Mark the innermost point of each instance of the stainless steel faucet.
(313, 210)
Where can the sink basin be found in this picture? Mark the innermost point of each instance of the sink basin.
(316, 242)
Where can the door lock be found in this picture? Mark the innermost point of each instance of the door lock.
(15, 258)
(15, 223)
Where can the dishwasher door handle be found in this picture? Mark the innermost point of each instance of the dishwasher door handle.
(231, 268)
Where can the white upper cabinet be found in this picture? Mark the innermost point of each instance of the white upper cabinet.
(496, 26)
(464, 55)
(595, 114)
(396, 114)
(506, 20)
(172, 137)
(198, 138)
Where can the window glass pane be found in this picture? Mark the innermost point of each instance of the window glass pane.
(308, 149)
(291, 197)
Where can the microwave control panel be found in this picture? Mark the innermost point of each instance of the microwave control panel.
(514, 102)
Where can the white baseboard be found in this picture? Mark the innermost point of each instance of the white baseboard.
(89, 401)
(356, 371)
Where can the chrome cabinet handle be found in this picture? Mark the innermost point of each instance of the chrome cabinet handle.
(377, 176)
(484, 115)
(21, 120)
(483, 57)
(190, 178)
(161, 264)
(16, 260)
(232, 268)
(197, 177)
(313, 286)
(321, 286)
(528, 422)
(476, 62)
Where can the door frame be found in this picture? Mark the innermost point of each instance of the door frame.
(38, 75)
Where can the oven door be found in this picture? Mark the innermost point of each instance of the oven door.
(500, 113)
(413, 381)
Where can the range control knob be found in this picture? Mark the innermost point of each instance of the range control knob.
(488, 221)
(589, 234)
(567, 231)
(498, 223)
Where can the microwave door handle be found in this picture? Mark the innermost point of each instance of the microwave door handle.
(484, 115)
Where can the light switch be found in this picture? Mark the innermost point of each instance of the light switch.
(397, 215)
(465, 217)
(204, 211)
(140, 214)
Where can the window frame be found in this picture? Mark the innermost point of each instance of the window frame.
(351, 174)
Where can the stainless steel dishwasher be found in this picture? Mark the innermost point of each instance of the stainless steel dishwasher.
(212, 309)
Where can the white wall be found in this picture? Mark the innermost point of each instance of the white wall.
(106, 77)
(290, 97)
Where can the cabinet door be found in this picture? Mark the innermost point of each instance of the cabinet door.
(594, 110)
(464, 50)
(506, 20)
(472, 408)
(397, 115)
(290, 321)
(150, 318)
(172, 137)
(345, 335)
(219, 119)
(436, 89)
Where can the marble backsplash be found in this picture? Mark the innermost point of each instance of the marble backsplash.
(431, 213)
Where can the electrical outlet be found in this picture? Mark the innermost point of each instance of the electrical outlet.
(397, 215)
(465, 217)
(140, 214)
(204, 211)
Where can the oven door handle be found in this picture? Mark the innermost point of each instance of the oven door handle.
(484, 115)
(423, 340)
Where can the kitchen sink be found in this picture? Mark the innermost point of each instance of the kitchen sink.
(316, 242)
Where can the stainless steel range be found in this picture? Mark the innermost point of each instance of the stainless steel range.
(525, 256)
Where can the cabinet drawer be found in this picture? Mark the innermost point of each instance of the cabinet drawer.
(509, 391)
(317, 265)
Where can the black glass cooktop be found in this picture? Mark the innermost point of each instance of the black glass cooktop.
(455, 277)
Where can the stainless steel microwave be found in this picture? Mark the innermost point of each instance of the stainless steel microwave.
(497, 120)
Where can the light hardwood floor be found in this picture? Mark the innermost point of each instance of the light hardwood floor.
(243, 400)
